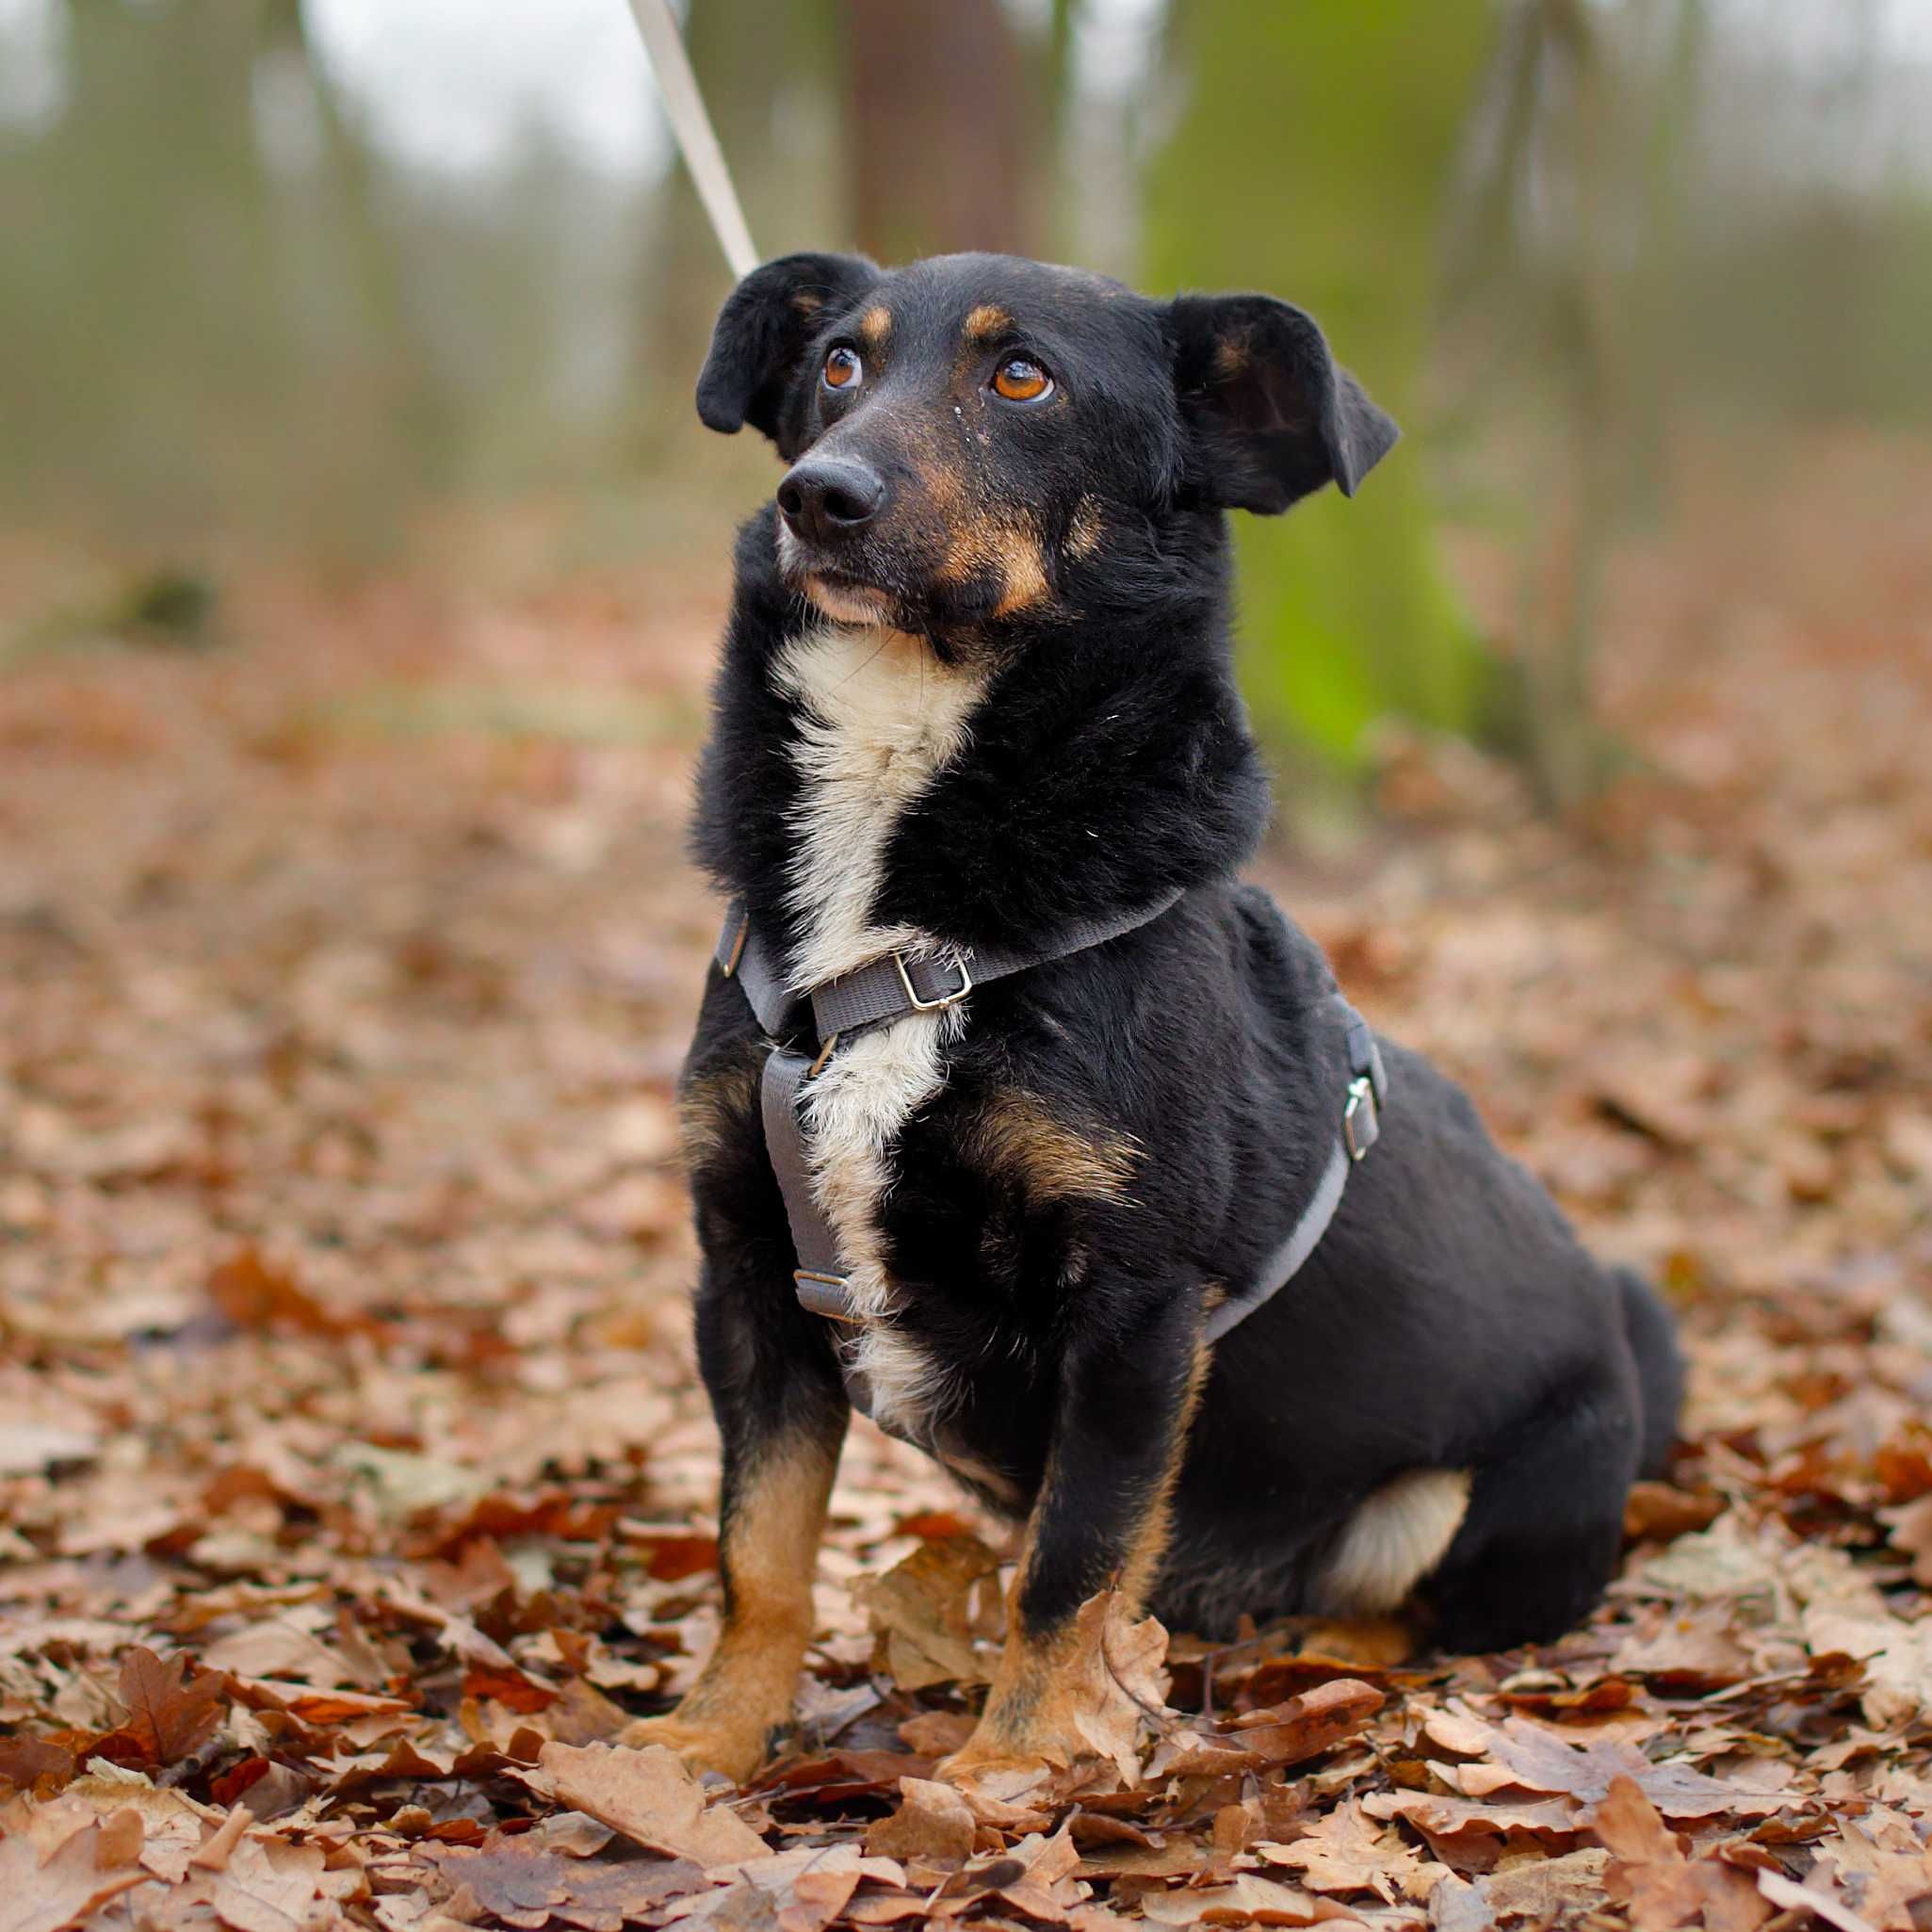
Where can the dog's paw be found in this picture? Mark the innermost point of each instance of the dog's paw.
(1004, 1767)
(733, 1751)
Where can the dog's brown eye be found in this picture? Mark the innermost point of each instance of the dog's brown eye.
(1020, 381)
(843, 368)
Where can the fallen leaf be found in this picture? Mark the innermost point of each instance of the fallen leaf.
(1348, 1851)
(648, 1795)
(921, 1612)
(526, 1882)
(1649, 1873)
(172, 1714)
(81, 1863)
(932, 1824)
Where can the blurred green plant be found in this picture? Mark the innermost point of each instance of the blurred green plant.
(1311, 161)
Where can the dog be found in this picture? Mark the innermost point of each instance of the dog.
(976, 732)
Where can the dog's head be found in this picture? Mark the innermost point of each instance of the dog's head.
(965, 433)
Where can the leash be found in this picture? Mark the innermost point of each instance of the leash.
(684, 106)
(892, 987)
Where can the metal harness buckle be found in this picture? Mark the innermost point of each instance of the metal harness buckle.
(829, 1295)
(945, 999)
(1361, 1120)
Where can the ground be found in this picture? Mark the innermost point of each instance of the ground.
(354, 1485)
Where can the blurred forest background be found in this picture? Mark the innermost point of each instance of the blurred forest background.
(293, 271)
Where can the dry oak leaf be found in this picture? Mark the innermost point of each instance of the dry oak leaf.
(1664, 1890)
(1307, 1726)
(647, 1795)
(1882, 1869)
(932, 1823)
(1530, 1757)
(1349, 1851)
(171, 1714)
(1789, 1896)
(1540, 1890)
(173, 1824)
(1247, 1899)
(1472, 1829)
(57, 1864)
(527, 1883)
(268, 1884)
(921, 1612)
(1114, 1683)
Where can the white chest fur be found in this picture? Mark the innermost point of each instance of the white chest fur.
(879, 715)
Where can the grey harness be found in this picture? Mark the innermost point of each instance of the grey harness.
(891, 987)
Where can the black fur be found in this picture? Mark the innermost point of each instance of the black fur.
(1449, 1319)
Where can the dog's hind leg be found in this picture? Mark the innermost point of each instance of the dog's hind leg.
(1125, 1401)
(782, 1411)
(1545, 1521)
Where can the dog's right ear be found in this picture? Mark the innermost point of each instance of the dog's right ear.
(762, 332)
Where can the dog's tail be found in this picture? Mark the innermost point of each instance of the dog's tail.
(1660, 1367)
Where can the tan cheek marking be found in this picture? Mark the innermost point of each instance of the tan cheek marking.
(875, 326)
(1025, 572)
(1018, 1136)
(1085, 528)
(987, 321)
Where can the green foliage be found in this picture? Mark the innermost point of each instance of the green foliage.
(1311, 161)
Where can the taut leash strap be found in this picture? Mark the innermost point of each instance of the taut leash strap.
(683, 107)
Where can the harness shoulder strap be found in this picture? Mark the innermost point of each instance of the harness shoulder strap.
(895, 985)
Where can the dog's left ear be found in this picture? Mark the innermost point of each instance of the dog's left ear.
(762, 332)
(1270, 415)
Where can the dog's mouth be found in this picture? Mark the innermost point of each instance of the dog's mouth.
(848, 598)
(837, 590)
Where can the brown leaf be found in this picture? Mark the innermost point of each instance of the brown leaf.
(58, 1867)
(1535, 1758)
(1248, 1899)
(921, 1612)
(268, 1885)
(527, 1883)
(171, 1714)
(1788, 1895)
(648, 1795)
(24, 1760)
(1543, 1890)
(1347, 1852)
(1649, 1873)
(1116, 1682)
(932, 1824)
(1305, 1727)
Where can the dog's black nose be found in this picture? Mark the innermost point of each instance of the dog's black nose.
(829, 496)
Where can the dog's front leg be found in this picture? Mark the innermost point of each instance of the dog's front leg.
(782, 1414)
(1126, 1398)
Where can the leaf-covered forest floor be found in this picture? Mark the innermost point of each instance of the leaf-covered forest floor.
(354, 1485)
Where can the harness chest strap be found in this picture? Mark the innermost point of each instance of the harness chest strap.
(893, 986)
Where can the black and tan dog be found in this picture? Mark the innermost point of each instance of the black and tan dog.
(976, 695)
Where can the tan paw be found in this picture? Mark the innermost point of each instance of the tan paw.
(730, 1750)
(999, 1761)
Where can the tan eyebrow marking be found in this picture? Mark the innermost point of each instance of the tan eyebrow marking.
(986, 321)
(875, 325)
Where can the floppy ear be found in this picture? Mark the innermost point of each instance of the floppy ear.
(762, 332)
(1269, 416)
